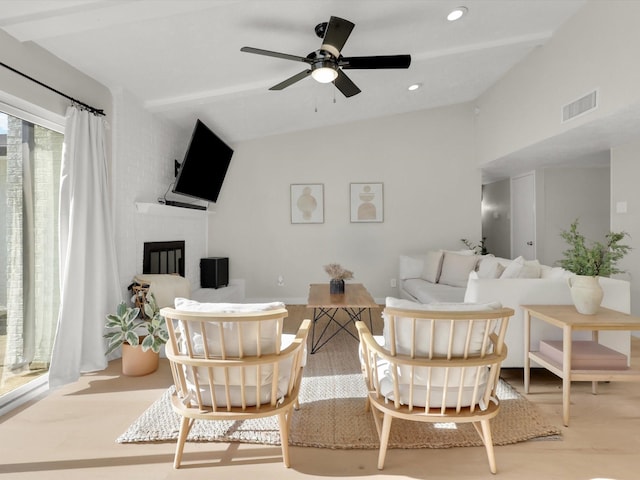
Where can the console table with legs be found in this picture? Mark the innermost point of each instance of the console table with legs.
(355, 301)
(569, 320)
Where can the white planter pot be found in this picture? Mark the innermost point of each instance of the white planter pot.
(586, 293)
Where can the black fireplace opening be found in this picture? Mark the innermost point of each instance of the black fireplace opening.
(164, 257)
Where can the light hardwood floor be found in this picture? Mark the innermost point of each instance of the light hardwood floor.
(70, 434)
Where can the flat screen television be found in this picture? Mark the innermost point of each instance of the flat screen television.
(204, 166)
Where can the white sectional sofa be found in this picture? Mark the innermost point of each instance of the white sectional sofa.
(446, 276)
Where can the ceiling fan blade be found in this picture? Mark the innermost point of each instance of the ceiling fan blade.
(345, 85)
(338, 31)
(269, 53)
(380, 61)
(291, 80)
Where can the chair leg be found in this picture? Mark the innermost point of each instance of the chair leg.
(283, 420)
(488, 444)
(384, 439)
(185, 426)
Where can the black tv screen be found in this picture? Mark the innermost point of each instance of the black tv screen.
(204, 166)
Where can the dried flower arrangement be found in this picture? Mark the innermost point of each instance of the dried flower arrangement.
(336, 272)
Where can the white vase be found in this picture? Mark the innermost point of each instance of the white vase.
(586, 293)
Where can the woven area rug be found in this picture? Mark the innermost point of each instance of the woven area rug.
(332, 415)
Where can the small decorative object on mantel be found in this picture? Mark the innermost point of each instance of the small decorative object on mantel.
(338, 276)
(588, 263)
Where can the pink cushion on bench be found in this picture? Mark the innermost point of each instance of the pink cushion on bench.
(585, 355)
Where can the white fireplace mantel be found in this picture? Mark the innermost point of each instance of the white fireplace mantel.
(169, 210)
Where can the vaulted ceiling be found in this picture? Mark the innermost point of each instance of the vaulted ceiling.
(182, 59)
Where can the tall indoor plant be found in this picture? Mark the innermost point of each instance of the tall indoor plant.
(588, 262)
(141, 338)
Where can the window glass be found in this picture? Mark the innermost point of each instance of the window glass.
(30, 158)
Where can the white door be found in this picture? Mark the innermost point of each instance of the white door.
(523, 217)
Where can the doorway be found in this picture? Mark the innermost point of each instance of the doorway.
(523, 216)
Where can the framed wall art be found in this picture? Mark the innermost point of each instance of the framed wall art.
(367, 202)
(307, 203)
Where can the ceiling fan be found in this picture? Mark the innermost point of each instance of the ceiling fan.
(326, 64)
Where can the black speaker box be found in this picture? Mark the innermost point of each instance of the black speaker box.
(214, 272)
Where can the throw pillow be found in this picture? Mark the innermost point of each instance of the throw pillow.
(411, 267)
(554, 272)
(404, 328)
(432, 266)
(489, 267)
(188, 305)
(237, 339)
(513, 269)
(530, 269)
(521, 268)
(464, 251)
(456, 268)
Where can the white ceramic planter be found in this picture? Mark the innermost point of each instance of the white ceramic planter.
(586, 293)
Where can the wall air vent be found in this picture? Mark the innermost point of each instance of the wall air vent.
(580, 106)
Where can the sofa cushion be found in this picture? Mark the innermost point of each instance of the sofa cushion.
(437, 378)
(432, 266)
(404, 332)
(411, 266)
(456, 268)
(489, 267)
(427, 292)
(237, 338)
(553, 272)
(521, 268)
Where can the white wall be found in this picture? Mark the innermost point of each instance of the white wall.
(594, 49)
(625, 172)
(431, 200)
(564, 195)
(144, 151)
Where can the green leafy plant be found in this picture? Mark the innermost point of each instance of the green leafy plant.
(596, 259)
(156, 326)
(479, 248)
(125, 326)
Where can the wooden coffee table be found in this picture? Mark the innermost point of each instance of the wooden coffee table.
(354, 301)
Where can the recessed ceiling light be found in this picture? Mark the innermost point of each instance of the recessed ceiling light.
(413, 87)
(457, 14)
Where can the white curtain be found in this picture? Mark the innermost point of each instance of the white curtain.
(89, 286)
(30, 260)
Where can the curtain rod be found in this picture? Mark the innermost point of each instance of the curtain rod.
(93, 110)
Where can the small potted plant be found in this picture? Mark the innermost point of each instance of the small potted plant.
(590, 262)
(338, 276)
(141, 339)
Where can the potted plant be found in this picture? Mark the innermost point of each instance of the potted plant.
(141, 338)
(479, 249)
(588, 262)
(338, 276)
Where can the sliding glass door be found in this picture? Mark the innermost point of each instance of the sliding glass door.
(30, 158)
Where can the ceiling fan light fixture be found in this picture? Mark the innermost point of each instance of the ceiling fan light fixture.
(324, 74)
(457, 14)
